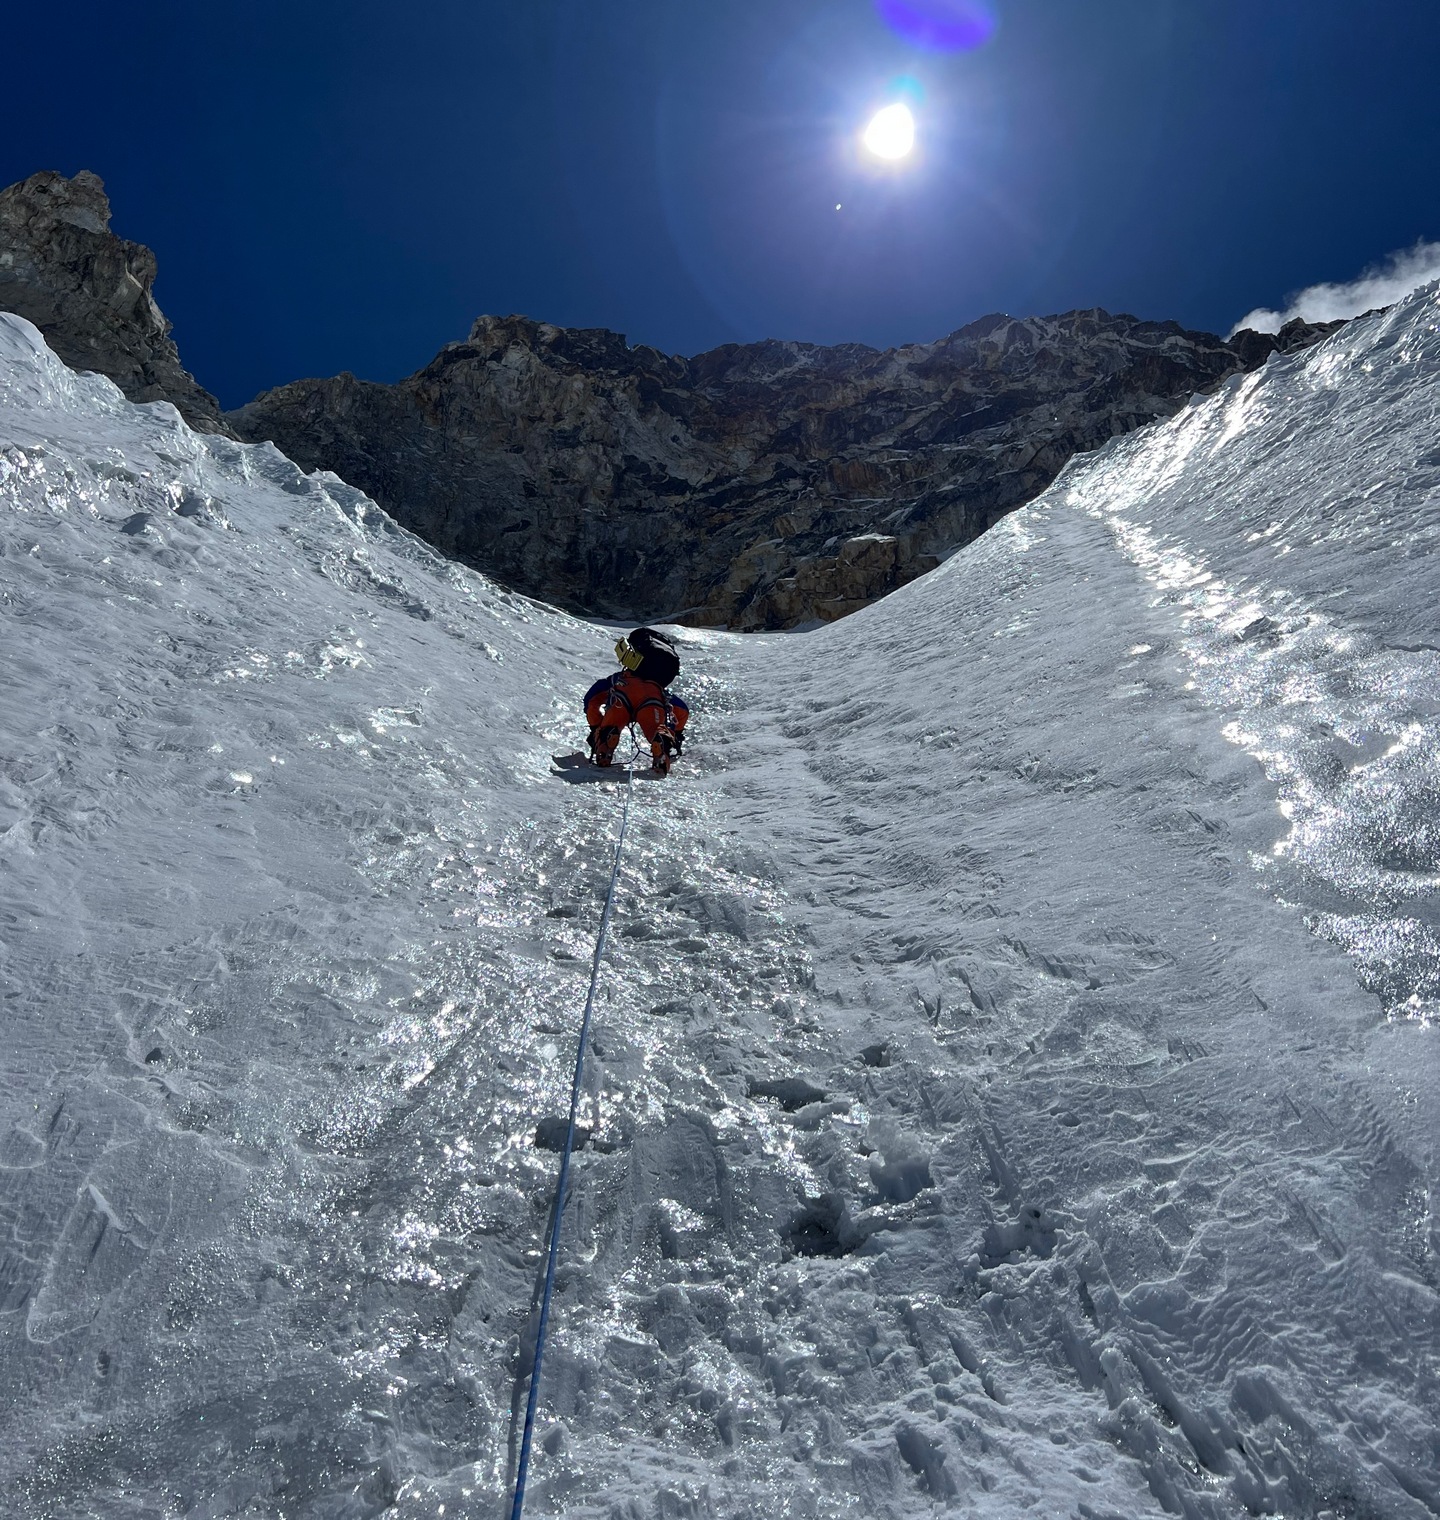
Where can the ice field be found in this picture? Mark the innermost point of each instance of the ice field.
(1014, 1088)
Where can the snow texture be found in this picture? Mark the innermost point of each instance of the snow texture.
(1014, 1088)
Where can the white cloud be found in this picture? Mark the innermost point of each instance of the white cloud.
(1391, 280)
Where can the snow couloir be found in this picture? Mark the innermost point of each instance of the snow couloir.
(1015, 1081)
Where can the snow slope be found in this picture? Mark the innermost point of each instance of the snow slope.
(1015, 1077)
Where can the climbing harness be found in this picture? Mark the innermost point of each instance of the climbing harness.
(557, 1212)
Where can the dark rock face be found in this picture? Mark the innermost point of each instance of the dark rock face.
(89, 292)
(756, 486)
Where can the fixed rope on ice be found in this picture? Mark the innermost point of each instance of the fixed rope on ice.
(557, 1212)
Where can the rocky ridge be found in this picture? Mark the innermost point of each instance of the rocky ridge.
(758, 485)
(91, 293)
(755, 486)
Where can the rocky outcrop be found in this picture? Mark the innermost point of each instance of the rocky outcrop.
(756, 486)
(89, 292)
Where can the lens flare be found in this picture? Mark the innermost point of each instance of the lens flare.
(891, 133)
(907, 88)
(940, 26)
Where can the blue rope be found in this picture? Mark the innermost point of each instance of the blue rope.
(523, 1470)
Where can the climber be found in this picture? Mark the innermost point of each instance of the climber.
(637, 693)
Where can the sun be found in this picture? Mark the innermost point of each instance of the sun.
(891, 132)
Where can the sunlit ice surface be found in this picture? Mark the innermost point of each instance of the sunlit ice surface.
(890, 133)
(1012, 1077)
(942, 26)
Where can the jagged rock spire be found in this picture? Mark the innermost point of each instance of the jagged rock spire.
(91, 293)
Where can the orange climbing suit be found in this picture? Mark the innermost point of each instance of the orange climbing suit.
(613, 703)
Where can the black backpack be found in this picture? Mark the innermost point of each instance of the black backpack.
(659, 661)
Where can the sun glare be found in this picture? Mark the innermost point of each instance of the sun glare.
(891, 133)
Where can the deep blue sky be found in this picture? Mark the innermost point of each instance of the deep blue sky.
(341, 184)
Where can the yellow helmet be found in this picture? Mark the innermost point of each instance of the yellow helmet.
(628, 657)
